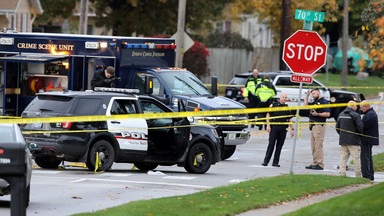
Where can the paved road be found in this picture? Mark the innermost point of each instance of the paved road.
(76, 190)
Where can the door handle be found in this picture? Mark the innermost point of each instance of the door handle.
(115, 122)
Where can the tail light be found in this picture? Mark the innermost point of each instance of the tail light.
(67, 125)
(242, 89)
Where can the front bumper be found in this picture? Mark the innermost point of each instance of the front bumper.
(236, 137)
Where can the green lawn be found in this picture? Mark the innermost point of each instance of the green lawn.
(378, 162)
(369, 201)
(234, 199)
(371, 82)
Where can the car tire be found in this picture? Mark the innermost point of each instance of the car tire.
(47, 162)
(228, 151)
(27, 193)
(145, 166)
(199, 159)
(106, 155)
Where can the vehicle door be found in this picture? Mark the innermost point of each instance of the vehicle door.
(131, 134)
(166, 137)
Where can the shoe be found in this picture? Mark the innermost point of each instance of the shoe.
(317, 167)
(252, 126)
(260, 127)
(309, 167)
(264, 164)
(276, 165)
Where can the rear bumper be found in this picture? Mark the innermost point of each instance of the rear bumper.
(236, 137)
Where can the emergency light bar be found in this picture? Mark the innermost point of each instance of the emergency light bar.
(122, 90)
(149, 46)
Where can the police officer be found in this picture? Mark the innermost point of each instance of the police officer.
(249, 92)
(104, 78)
(277, 132)
(317, 118)
(265, 91)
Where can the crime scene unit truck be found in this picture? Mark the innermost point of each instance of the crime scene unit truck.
(39, 62)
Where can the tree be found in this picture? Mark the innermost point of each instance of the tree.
(56, 8)
(196, 60)
(373, 17)
(270, 11)
(227, 40)
(148, 17)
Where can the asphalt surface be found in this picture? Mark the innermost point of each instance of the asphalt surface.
(76, 190)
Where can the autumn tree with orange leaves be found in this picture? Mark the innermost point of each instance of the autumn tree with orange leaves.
(373, 16)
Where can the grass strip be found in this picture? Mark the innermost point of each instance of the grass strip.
(234, 199)
(368, 201)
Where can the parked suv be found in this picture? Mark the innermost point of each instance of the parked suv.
(282, 82)
(145, 142)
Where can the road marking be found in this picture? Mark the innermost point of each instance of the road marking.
(179, 177)
(114, 174)
(78, 180)
(34, 171)
(150, 183)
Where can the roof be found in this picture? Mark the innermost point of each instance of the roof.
(13, 5)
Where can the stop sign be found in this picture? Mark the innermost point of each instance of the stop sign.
(304, 52)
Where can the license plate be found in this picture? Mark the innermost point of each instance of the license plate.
(231, 136)
(37, 125)
(229, 93)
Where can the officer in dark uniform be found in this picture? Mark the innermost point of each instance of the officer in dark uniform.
(277, 132)
(249, 92)
(104, 78)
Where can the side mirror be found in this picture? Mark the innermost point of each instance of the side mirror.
(180, 106)
(214, 85)
(148, 83)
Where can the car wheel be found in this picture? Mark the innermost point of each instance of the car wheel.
(145, 166)
(47, 162)
(199, 159)
(228, 151)
(106, 155)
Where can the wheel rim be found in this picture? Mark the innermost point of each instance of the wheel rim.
(199, 159)
(104, 155)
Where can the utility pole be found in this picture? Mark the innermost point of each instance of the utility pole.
(83, 22)
(345, 45)
(180, 34)
(285, 29)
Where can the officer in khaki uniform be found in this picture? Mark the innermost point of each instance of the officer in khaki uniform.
(249, 92)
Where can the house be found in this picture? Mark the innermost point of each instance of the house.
(19, 14)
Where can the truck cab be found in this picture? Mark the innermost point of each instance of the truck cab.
(172, 84)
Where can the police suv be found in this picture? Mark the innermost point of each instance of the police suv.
(145, 142)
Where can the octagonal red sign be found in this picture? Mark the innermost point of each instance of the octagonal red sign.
(304, 52)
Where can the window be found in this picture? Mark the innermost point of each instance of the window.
(87, 106)
(121, 107)
(139, 83)
(149, 107)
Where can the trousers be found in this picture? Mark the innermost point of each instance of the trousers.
(345, 152)
(317, 139)
(367, 169)
(277, 137)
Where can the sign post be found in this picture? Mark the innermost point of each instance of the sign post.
(304, 53)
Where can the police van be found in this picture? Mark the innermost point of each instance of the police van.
(145, 142)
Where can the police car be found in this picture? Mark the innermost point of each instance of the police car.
(145, 142)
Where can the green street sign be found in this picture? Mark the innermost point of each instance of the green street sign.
(309, 15)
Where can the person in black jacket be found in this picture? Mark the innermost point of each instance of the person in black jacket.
(104, 78)
(370, 138)
(350, 128)
(277, 132)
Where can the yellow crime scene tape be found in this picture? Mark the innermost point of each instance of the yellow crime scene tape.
(167, 115)
(306, 87)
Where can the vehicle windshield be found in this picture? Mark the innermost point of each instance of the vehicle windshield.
(238, 81)
(184, 83)
(7, 134)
